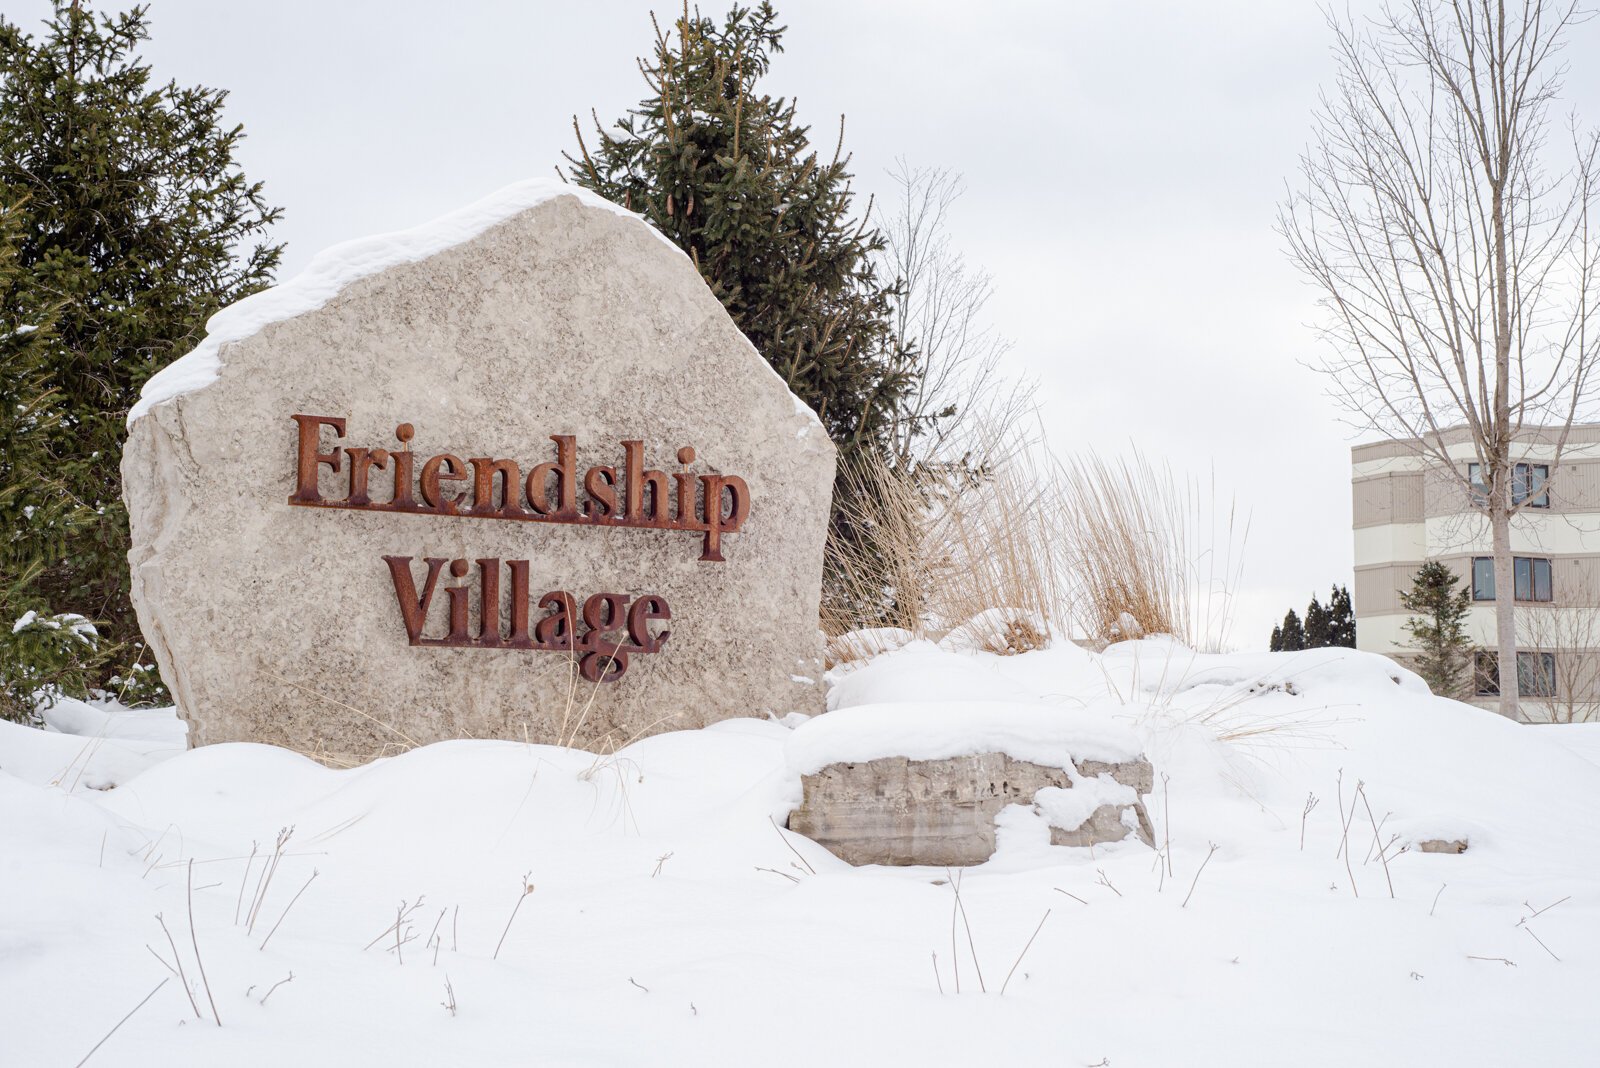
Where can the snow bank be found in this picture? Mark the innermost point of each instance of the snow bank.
(990, 626)
(90, 747)
(1051, 737)
(868, 642)
(918, 673)
(674, 923)
(337, 267)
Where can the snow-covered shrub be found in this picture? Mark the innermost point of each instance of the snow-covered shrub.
(42, 656)
(141, 687)
(1006, 631)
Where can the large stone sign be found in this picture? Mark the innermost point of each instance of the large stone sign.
(515, 474)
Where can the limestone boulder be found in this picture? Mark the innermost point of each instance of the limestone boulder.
(538, 315)
(939, 812)
(1443, 845)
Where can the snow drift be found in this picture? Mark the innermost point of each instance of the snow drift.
(671, 921)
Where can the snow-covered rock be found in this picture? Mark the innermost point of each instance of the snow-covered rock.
(286, 547)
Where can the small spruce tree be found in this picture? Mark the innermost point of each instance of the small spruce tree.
(1341, 619)
(1292, 635)
(1275, 645)
(1443, 652)
(1318, 625)
(134, 224)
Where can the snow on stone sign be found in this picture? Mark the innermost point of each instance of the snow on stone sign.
(513, 474)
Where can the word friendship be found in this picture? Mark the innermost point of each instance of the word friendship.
(711, 505)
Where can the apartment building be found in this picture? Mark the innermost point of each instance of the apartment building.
(1406, 511)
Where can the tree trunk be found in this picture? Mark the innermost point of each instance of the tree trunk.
(1505, 604)
(1500, 478)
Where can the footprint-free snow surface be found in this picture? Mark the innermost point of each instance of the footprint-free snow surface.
(670, 921)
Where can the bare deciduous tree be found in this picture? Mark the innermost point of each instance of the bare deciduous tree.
(1453, 258)
(962, 409)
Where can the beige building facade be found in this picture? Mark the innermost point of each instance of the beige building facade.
(1406, 510)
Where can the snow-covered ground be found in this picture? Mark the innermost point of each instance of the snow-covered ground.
(670, 921)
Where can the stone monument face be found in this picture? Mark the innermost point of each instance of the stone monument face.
(512, 475)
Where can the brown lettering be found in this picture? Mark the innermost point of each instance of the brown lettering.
(308, 459)
(603, 611)
(554, 631)
(489, 602)
(483, 471)
(403, 500)
(361, 460)
(458, 605)
(635, 496)
(716, 523)
(566, 472)
(644, 610)
(431, 477)
(413, 609)
(518, 638)
(599, 483)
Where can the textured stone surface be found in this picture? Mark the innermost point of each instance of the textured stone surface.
(280, 624)
(1443, 845)
(1137, 774)
(941, 812)
(1105, 824)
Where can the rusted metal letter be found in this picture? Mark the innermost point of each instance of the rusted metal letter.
(484, 468)
(716, 523)
(361, 463)
(307, 458)
(489, 603)
(565, 468)
(518, 638)
(458, 607)
(554, 631)
(431, 477)
(644, 610)
(413, 609)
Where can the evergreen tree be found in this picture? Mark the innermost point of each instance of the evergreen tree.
(135, 224)
(1292, 636)
(727, 173)
(1333, 625)
(1341, 619)
(1438, 629)
(1318, 630)
(41, 651)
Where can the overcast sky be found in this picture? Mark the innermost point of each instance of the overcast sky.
(1123, 163)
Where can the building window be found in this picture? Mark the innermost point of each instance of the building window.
(1536, 674)
(1480, 492)
(1485, 674)
(1483, 578)
(1533, 578)
(1531, 478)
(1531, 574)
(1525, 479)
